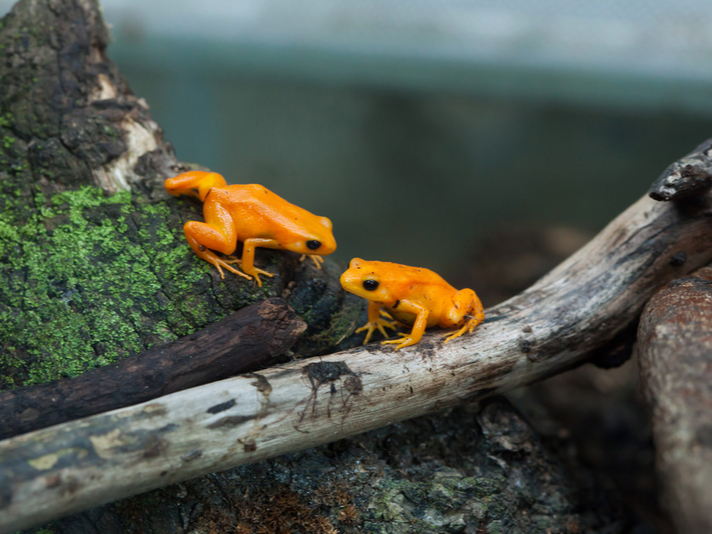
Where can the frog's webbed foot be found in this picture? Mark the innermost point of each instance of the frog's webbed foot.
(254, 272)
(373, 325)
(405, 341)
(318, 260)
(469, 325)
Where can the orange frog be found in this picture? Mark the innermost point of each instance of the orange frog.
(252, 214)
(412, 296)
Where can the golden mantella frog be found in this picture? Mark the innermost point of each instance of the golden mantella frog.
(252, 214)
(412, 296)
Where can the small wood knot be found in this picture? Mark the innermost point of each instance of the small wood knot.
(248, 445)
(678, 259)
(525, 346)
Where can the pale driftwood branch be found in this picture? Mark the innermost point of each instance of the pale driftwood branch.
(675, 354)
(553, 326)
(687, 176)
(244, 341)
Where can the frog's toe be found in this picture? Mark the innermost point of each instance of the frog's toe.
(452, 335)
(369, 332)
(404, 341)
(318, 260)
(381, 323)
(361, 329)
(372, 326)
(220, 264)
(255, 271)
(385, 314)
(468, 327)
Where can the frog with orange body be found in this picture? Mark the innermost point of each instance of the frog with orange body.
(252, 214)
(413, 296)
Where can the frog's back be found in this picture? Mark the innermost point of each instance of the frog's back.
(258, 212)
(249, 194)
(415, 283)
(255, 200)
(424, 287)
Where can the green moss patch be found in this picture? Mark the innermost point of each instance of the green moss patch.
(94, 278)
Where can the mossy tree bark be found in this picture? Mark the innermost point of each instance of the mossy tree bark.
(93, 263)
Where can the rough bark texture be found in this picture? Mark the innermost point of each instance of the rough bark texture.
(93, 263)
(466, 470)
(248, 340)
(687, 176)
(675, 351)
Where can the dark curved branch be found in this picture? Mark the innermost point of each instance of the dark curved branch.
(245, 341)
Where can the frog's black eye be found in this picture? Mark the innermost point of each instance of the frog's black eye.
(313, 244)
(370, 285)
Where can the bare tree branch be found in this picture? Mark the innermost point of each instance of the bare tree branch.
(553, 326)
(687, 176)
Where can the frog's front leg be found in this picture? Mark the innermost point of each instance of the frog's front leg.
(421, 321)
(248, 256)
(375, 321)
(466, 311)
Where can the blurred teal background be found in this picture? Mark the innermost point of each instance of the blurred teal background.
(419, 126)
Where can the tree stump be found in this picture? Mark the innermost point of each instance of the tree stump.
(675, 351)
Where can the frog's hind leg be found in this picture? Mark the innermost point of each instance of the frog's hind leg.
(201, 237)
(421, 322)
(217, 233)
(194, 183)
(468, 308)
